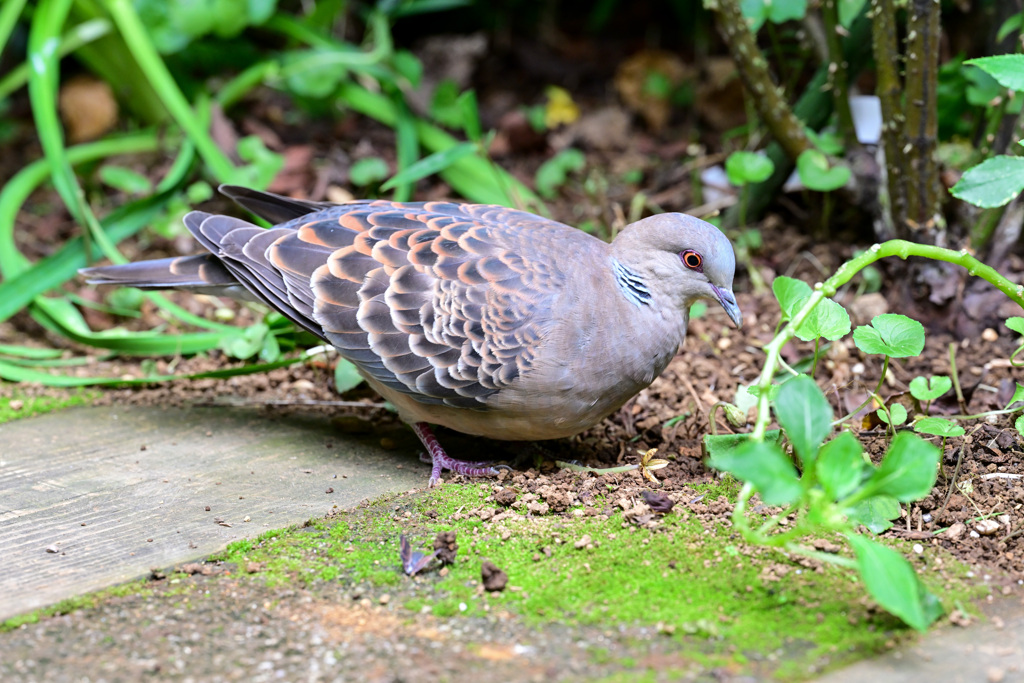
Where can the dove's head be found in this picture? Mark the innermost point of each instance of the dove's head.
(680, 257)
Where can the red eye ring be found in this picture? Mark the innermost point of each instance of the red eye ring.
(692, 260)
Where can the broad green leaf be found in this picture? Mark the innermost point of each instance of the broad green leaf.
(840, 466)
(1019, 425)
(875, 512)
(891, 334)
(790, 292)
(1007, 69)
(891, 581)
(408, 66)
(444, 104)
(745, 168)
(553, 173)
(755, 12)
(936, 426)
(314, 73)
(346, 377)
(780, 11)
(805, 415)
(827, 320)
(908, 470)
(715, 445)
(993, 182)
(897, 413)
(246, 343)
(850, 10)
(930, 389)
(1016, 323)
(1013, 23)
(470, 115)
(125, 179)
(765, 466)
(815, 173)
(368, 171)
(1018, 395)
(430, 165)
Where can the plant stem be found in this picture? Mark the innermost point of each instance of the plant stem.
(956, 377)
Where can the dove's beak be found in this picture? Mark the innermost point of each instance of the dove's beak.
(728, 301)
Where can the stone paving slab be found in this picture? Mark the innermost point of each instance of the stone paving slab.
(989, 651)
(92, 497)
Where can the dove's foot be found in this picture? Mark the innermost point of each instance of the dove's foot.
(442, 461)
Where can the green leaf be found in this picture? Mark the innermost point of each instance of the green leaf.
(429, 165)
(1018, 395)
(125, 179)
(1016, 323)
(790, 292)
(780, 11)
(444, 104)
(930, 389)
(755, 12)
(891, 581)
(765, 466)
(908, 470)
(745, 168)
(368, 171)
(936, 426)
(993, 182)
(840, 466)
(1019, 425)
(553, 173)
(246, 343)
(470, 115)
(897, 413)
(850, 10)
(1007, 69)
(875, 512)
(891, 334)
(346, 377)
(815, 173)
(314, 73)
(828, 319)
(805, 415)
(715, 445)
(1012, 23)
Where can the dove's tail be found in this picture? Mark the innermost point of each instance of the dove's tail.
(202, 273)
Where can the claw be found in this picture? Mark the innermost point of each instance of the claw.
(440, 460)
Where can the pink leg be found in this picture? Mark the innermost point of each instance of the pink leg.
(441, 460)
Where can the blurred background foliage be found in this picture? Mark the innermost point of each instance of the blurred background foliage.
(139, 108)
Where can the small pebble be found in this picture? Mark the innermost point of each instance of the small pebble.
(918, 548)
(384, 599)
(989, 335)
(16, 404)
(987, 527)
(583, 542)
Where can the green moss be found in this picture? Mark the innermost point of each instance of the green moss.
(721, 601)
(27, 406)
(76, 603)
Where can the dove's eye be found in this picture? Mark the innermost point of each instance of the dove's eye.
(693, 260)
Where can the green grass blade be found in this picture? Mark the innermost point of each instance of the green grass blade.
(137, 39)
(18, 189)
(18, 291)
(80, 35)
(10, 11)
(16, 373)
(436, 162)
(30, 352)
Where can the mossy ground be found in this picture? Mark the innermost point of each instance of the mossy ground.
(689, 582)
(19, 404)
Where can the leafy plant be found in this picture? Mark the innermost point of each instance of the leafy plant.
(828, 485)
